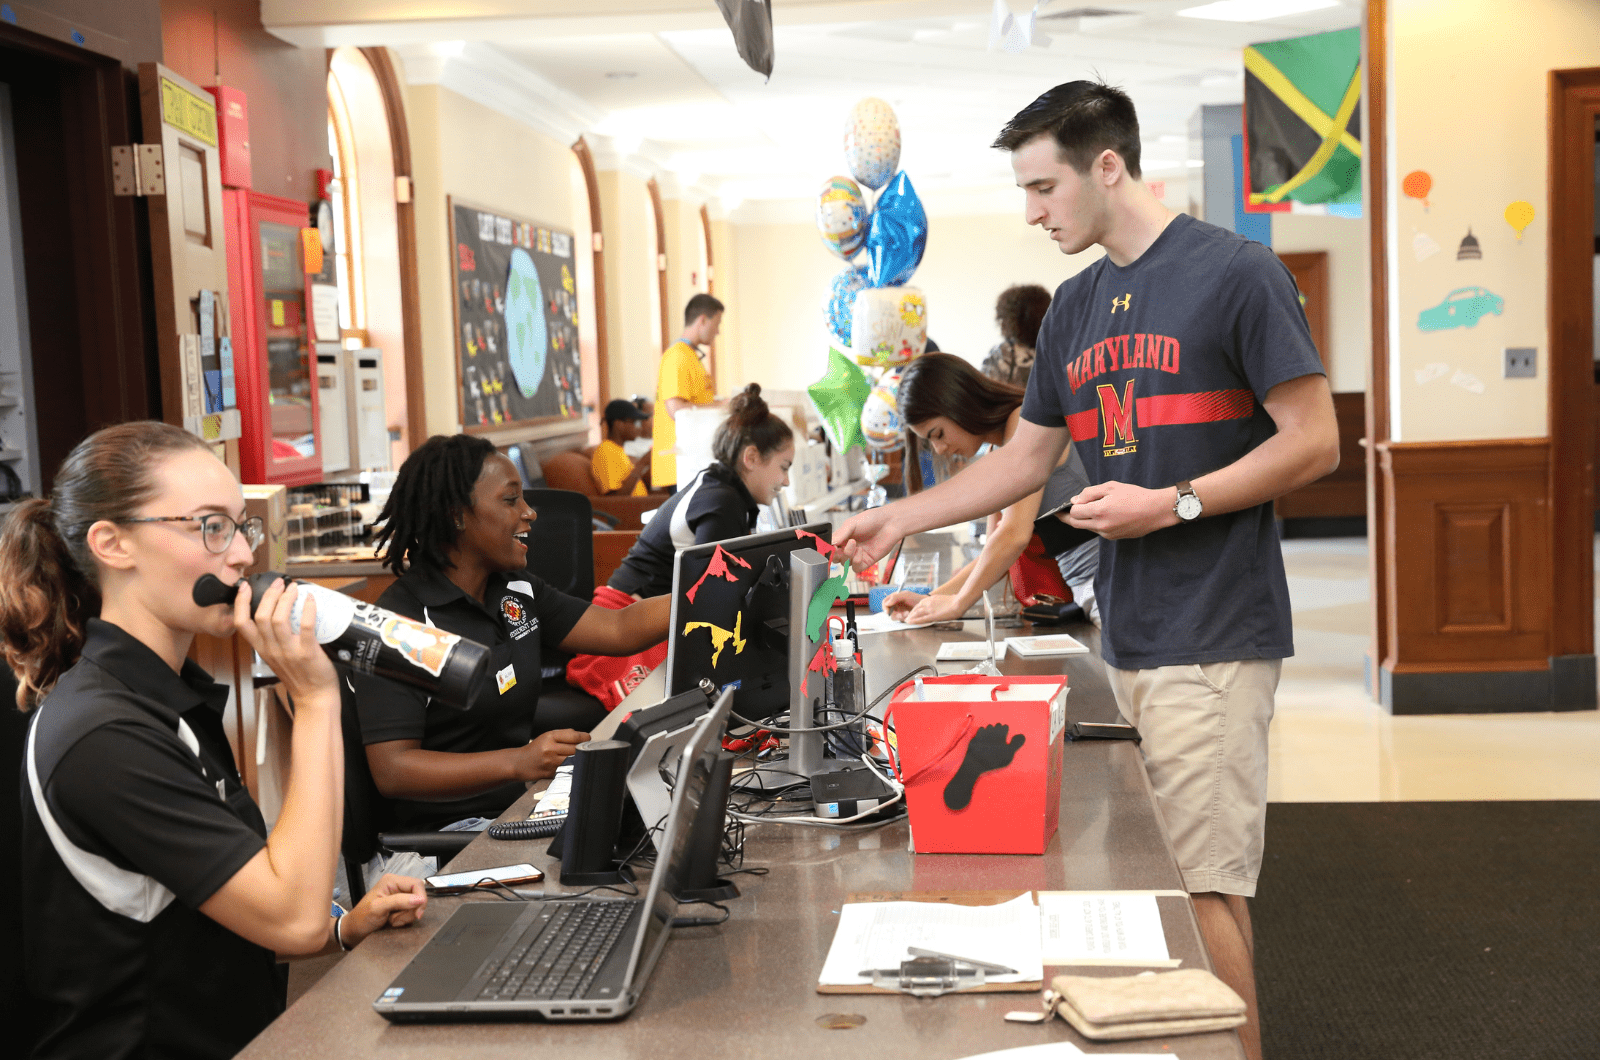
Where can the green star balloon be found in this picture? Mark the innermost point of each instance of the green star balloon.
(839, 397)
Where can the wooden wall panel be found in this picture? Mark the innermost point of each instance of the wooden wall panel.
(1374, 206)
(1343, 493)
(1468, 530)
(1574, 108)
(1473, 574)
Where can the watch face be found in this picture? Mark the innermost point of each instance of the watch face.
(1188, 506)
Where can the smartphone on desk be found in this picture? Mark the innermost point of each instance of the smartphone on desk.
(499, 876)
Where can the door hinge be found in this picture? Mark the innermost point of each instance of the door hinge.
(138, 169)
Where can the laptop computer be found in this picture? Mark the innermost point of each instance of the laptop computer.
(577, 959)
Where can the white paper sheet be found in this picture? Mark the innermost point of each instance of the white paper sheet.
(1110, 928)
(1059, 1051)
(1046, 644)
(876, 934)
(966, 651)
(325, 311)
(882, 623)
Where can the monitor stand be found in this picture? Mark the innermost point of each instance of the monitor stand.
(808, 689)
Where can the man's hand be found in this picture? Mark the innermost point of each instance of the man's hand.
(394, 901)
(868, 537)
(1119, 510)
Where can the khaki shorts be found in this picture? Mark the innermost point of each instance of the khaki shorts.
(1204, 728)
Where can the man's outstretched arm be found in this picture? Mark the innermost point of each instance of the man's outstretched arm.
(1005, 476)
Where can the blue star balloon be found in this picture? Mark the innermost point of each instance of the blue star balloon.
(842, 302)
(898, 236)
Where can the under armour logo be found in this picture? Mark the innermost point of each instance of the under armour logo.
(1122, 302)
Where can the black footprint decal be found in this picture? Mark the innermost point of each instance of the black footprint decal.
(988, 750)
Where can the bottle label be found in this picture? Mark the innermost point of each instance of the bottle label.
(334, 611)
(422, 646)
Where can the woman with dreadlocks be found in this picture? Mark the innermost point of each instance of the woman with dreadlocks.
(452, 533)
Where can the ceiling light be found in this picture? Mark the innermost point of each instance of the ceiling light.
(1255, 10)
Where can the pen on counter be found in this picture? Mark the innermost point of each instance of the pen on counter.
(992, 969)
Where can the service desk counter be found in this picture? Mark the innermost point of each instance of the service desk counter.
(747, 988)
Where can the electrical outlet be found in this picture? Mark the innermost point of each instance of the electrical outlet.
(1522, 362)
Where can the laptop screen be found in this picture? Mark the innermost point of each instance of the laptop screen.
(689, 789)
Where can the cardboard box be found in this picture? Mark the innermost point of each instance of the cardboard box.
(271, 503)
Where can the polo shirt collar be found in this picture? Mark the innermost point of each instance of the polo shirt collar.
(724, 474)
(166, 694)
(433, 588)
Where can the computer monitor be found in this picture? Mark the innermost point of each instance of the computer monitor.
(738, 619)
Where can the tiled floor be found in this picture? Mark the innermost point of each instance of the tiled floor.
(1331, 743)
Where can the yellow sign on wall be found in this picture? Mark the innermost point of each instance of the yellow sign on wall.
(188, 112)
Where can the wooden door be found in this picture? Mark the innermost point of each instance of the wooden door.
(1310, 271)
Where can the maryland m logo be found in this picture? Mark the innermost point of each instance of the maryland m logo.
(1116, 416)
(1122, 303)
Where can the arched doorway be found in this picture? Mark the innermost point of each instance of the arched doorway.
(376, 238)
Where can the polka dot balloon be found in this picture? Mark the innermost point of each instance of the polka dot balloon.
(872, 142)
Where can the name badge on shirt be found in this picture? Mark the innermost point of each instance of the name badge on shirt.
(506, 679)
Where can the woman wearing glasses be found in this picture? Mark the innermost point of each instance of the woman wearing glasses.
(156, 904)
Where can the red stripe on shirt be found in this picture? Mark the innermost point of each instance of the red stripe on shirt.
(1084, 425)
(1211, 407)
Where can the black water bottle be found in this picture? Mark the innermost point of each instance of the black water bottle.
(368, 639)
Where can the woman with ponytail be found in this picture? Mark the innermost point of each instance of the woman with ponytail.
(155, 902)
(753, 450)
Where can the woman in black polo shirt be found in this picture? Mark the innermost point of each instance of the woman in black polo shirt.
(754, 450)
(154, 900)
(453, 530)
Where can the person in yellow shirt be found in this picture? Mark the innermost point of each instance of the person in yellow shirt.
(613, 471)
(682, 383)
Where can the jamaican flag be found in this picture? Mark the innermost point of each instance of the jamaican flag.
(1302, 121)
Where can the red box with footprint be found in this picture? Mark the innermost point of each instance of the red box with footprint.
(981, 761)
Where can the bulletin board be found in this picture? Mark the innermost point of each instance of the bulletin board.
(515, 291)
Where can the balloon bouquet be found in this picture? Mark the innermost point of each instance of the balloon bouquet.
(870, 312)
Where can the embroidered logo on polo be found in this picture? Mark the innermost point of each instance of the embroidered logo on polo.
(518, 622)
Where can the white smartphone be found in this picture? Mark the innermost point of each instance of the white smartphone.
(456, 882)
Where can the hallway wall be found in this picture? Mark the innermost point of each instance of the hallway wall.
(1469, 106)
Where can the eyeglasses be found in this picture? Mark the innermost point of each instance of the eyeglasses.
(216, 530)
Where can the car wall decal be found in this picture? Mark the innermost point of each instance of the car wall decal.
(1461, 308)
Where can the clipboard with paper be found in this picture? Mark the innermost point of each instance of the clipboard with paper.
(995, 933)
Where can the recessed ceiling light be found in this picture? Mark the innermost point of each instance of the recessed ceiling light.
(621, 75)
(1255, 10)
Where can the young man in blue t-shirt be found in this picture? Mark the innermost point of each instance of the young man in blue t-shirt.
(1181, 366)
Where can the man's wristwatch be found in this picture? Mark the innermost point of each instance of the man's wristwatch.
(1188, 506)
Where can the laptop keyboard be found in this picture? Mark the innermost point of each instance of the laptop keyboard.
(558, 959)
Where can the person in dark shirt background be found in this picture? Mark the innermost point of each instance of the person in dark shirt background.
(1019, 311)
(452, 530)
(753, 450)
